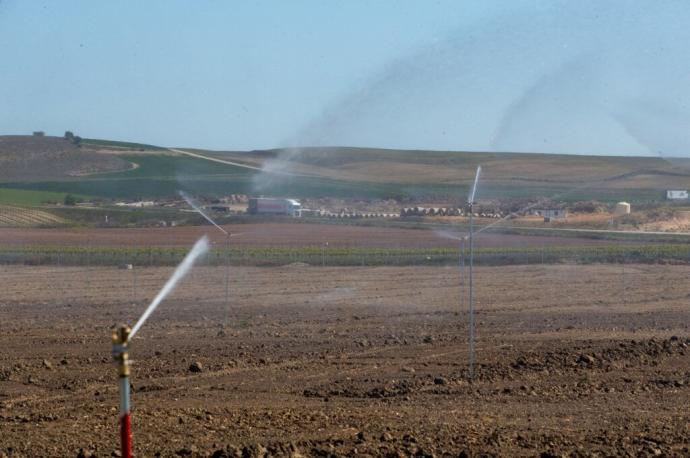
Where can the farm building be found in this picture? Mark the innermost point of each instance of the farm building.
(621, 209)
(551, 213)
(264, 205)
(139, 204)
(220, 208)
(677, 194)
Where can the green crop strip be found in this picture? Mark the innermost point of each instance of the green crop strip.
(344, 256)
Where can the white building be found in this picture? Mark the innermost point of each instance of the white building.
(551, 213)
(677, 194)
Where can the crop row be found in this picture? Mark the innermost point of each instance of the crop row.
(344, 256)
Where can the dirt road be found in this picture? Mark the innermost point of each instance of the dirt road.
(213, 159)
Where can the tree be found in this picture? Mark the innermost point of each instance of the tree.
(39, 133)
(70, 200)
(69, 135)
(76, 140)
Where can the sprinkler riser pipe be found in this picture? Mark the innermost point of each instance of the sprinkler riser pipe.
(471, 293)
(121, 358)
(227, 280)
(125, 419)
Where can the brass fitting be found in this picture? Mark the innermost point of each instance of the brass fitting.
(121, 349)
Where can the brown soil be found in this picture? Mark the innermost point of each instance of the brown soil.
(571, 361)
(273, 234)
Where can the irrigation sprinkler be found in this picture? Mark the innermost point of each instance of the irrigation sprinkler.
(123, 335)
(470, 207)
(121, 358)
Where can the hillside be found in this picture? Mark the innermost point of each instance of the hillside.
(121, 170)
(30, 158)
(451, 167)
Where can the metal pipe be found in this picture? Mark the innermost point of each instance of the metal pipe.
(470, 206)
(227, 280)
(462, 274)
(471, 295)
(121, 357)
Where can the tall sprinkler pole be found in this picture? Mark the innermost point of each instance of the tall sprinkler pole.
(470, 206)
(227, 279)
(121, 358)
(462, 273)
(122, 336)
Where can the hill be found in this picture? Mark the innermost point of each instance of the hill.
(33, 158)
(456, 167)
(122, 170)
(572, 177)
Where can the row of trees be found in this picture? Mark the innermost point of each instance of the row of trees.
(70, 137)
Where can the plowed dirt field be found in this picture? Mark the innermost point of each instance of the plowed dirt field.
(309, 361)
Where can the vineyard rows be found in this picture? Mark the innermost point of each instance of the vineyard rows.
(11, 216)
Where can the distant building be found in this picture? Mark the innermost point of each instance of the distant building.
(220, 208)
(621, 209)
(266, 205)
(140, 204)
(677, 194)
(551, 213)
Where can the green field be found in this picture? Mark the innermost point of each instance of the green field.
(163, 175)
(29, 198)
(335, 256)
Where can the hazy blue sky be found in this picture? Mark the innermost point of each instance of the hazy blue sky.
(578, 77)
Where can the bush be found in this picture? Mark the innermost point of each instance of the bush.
(70, 200)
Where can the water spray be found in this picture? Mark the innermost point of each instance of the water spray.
(123, 335)
(198, 209)
(470, 208)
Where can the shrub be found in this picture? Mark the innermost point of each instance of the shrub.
(70, 200)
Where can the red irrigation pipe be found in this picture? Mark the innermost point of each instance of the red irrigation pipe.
(121, 357)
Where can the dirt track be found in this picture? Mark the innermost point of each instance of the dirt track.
(273, 234)
(351, 361)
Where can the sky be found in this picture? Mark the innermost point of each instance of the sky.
(585, 77)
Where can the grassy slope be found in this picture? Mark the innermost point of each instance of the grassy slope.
(164, 175)
(118, 144)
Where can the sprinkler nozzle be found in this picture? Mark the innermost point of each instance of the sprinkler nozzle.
(121, 349)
